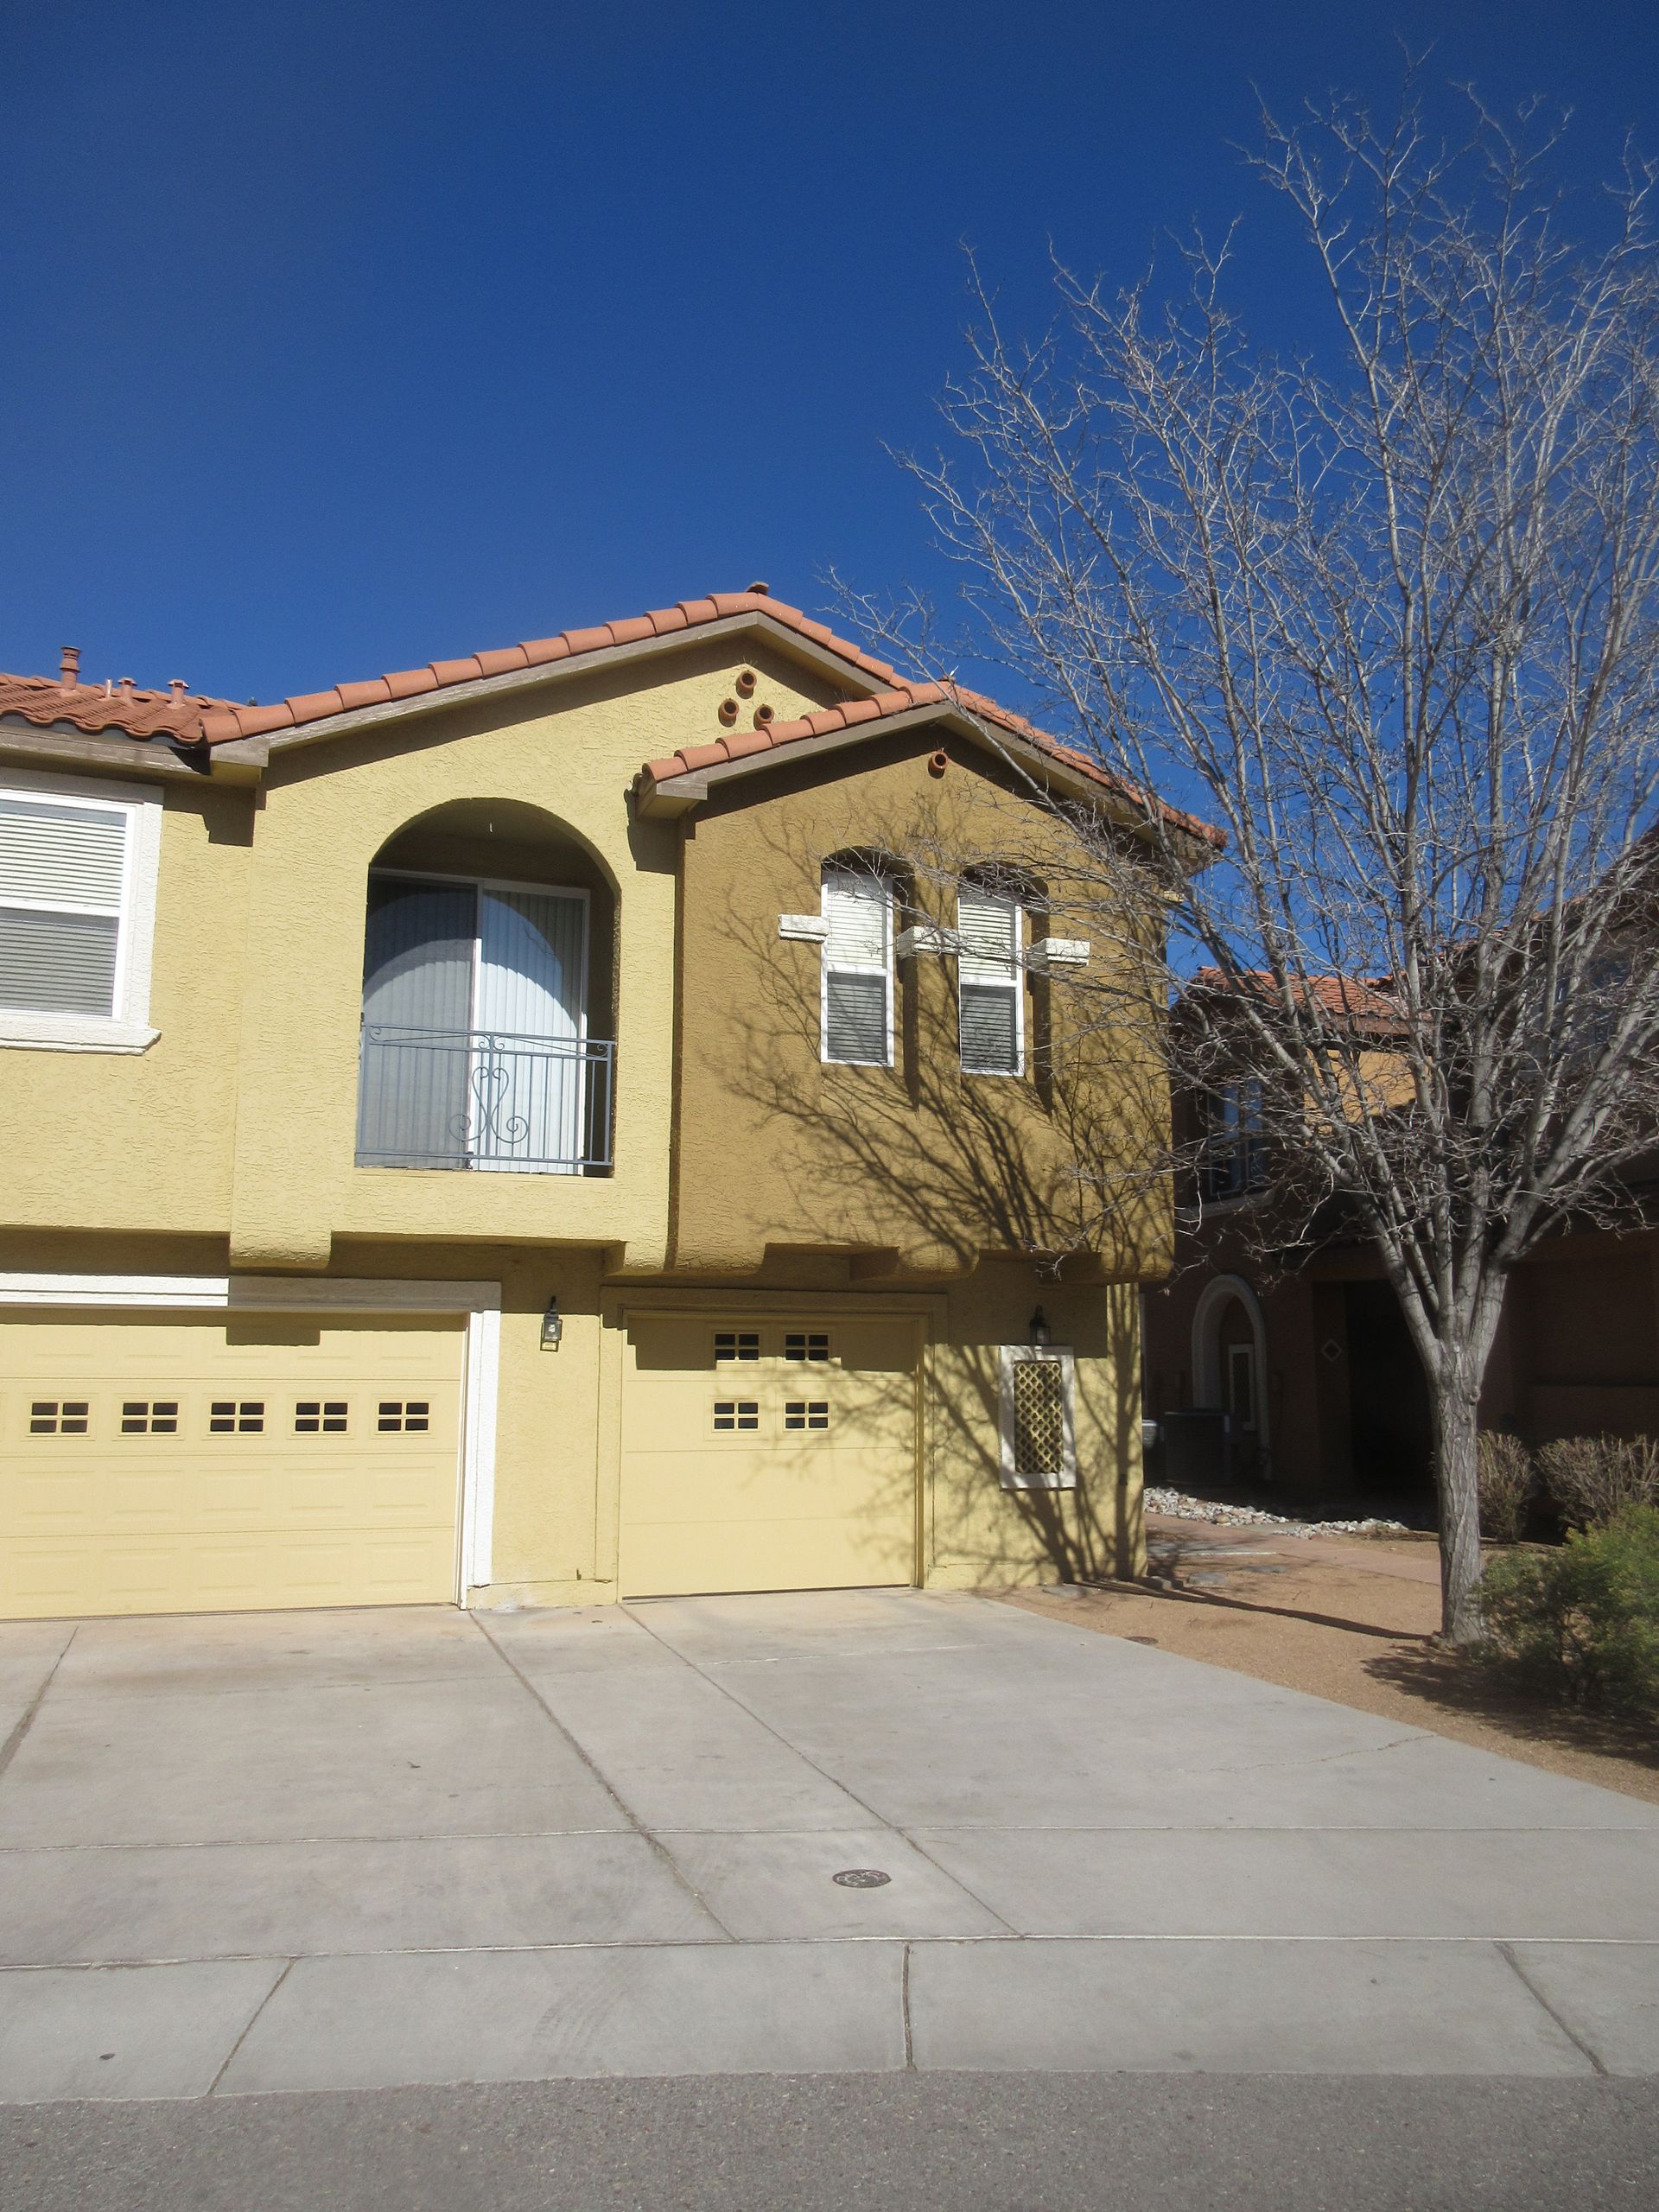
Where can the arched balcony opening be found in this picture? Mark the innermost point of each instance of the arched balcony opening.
(489, 994)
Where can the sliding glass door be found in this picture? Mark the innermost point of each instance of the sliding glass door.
(474, 1027)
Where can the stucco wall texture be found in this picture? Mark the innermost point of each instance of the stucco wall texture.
(228, 1145)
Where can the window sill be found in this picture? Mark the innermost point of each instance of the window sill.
(73, 1033)
(1235, 1201)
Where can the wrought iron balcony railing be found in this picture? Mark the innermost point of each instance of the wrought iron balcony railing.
(473, 1098)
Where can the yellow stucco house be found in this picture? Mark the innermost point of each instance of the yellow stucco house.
(551, 1127)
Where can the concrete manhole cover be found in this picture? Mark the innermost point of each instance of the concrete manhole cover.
(861, 1877)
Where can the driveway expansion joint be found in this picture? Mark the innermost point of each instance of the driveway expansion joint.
(664, 1857)
(1506, 1951)
(14, 1742)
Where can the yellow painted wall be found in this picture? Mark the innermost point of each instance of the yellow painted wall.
(328, 810)
(976, 1533)
(917, 1161)
(114, 1142)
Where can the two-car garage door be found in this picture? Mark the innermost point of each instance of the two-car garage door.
(209, 1463)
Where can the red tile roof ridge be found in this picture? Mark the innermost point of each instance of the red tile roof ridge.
(220, 722)
(907, 696)
(230, 722)
(1359, 994)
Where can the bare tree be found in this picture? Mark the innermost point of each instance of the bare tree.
(1389, 617)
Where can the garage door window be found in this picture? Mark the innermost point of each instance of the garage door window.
(150, 1417)
(404, 1417)
(806, 1414)
(320, 1416)
(811, 1344)
(236, 1417)
(59, 1417)
(736, 1344)
(734, 1413)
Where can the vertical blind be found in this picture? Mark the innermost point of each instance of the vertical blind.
(465, 988)
(857, 968)
(61, 871)
(987, 979)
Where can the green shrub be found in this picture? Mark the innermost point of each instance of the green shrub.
(1504, 1470)
(1582, 1621)
(1590, 1478)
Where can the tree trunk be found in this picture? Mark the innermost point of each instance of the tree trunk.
(1457, 1428)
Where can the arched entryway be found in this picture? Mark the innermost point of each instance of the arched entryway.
(1229, 1369)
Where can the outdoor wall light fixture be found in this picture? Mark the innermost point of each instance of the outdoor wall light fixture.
(1039, 1328)
(552, 1325)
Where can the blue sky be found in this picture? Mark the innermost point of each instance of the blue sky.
(346, 337)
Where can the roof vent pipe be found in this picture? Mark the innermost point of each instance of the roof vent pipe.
(69, 667)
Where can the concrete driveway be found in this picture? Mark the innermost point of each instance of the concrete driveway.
(357, 1850)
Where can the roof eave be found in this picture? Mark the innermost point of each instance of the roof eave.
(673, 796)
(440, 697)
(63, 745)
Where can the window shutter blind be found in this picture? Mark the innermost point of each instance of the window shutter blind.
(988, 932)
(61, 855)
(857, 967)
(57, 963)
(990, 1039)
(855, 1018)
(855, 907)
(987, 977)
(61, 869)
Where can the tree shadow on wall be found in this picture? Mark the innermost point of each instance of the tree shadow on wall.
(928, 1173)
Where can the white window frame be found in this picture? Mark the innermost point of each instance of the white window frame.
(1015, 983)
(827, 967)
(1060, 1356)
(127, 1027)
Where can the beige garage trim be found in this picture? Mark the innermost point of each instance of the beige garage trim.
(768, 1449)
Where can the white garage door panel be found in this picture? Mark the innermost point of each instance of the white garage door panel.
(283, 1508)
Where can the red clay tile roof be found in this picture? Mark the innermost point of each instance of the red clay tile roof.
(115, 709)
(219, 721)
(900, 698)
(1367, 1000)
(221, 726)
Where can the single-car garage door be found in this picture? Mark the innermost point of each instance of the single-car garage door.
(206, 1465)
(767, 1455)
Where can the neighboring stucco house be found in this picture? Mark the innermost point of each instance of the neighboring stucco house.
(528, 1130)
(1283, 1322)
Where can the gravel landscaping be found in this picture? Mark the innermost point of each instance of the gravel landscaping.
(1176, 1505)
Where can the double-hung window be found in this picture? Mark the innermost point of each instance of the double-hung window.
(989, 982)
(1233, 1160)
(78, 868)
(857, 1011)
